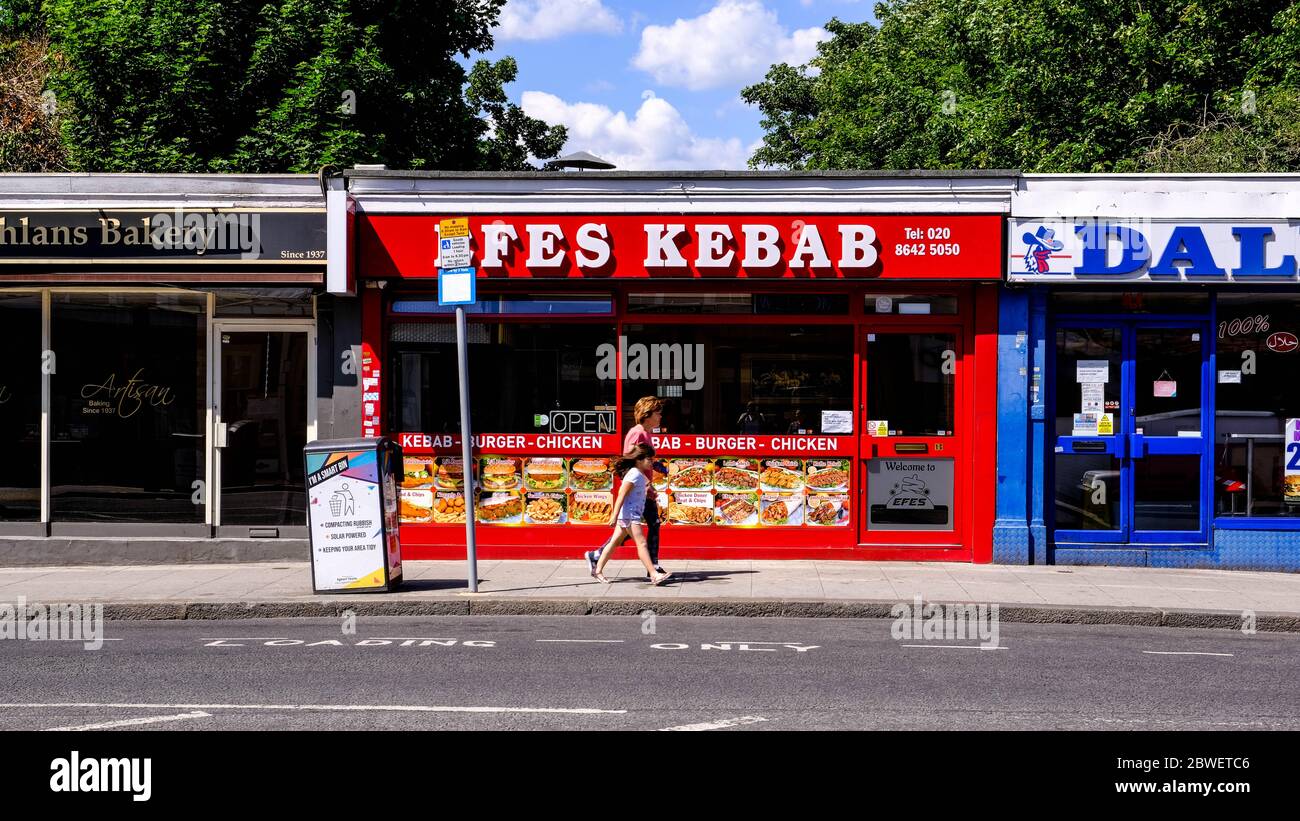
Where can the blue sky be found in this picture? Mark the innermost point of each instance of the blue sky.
(656, 85)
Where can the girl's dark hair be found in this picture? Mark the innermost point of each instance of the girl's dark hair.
(635, 454)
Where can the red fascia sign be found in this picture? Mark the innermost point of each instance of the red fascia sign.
(760, 246)
(593, 444)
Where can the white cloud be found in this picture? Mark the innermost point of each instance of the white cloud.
(735, 42)
(656, 137)
(548, 19)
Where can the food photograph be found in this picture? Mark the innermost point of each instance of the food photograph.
(781, 510)
(590, 508)
(415, 505)
(545, 508)
(499, 508)
(739, 475)
(545, 473)
(691, 507)
(782, 475)
(450, 474)
(690, 474)
(827, 510)
(737, 509)
(417, 471)
(825, 475)
(591, 474)
(449, 508)
(498, 473)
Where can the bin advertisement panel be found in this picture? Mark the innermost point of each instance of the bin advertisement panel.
(346, 509)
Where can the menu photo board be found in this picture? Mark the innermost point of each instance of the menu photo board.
(547, 489)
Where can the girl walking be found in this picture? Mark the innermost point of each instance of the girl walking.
(626, 515)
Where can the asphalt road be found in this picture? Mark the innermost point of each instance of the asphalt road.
(605, 673)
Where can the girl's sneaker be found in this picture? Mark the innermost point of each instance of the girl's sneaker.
(592, 559)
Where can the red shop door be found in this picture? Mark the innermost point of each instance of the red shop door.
(915, 465)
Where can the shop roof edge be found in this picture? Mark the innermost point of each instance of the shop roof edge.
(575, 176)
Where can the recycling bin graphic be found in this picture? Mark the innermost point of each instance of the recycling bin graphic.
(352, 514)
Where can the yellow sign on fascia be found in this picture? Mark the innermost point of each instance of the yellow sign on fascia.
(453, 228)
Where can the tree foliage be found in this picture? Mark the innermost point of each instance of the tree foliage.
(261, 86)
(1043, 85)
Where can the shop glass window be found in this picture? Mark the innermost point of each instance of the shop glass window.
(910, 304)
(519, 374)
(1129, 302)
(1257, 391)
(757, 379)
(20, 407)
(752, 304)
(910, 378)
(532, 305)
(264, 302)
(128, 407)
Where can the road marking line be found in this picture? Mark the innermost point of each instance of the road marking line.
(714, 725)
(130, 722)
(339, 708)
(956, 646)
(1182, 653)
(409, 638)
(249, 638)
(585, 641)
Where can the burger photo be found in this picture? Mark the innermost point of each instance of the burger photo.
(451, 475)
(500, 475)
(544, 475)
(591, 474)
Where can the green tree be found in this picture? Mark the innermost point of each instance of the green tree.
(261, 86)
(1039, 85)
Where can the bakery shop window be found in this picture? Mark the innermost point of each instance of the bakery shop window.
(754, 378)
(520, 374)
(128, 407)
(1257, 406)
(20, 407)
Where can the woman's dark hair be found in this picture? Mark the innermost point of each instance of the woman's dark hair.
(635, 454)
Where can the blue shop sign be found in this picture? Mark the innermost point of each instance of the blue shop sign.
(1126, 251)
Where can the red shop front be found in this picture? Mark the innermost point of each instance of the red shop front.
(829, 381)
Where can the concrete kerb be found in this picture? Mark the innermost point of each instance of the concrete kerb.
(732, 608)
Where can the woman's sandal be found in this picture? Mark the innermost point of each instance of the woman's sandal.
(600, 577)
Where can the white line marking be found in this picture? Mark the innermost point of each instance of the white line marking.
(585, 641)
(713, 725)
(248, 638)
(336, 708)
(956, 646)
(1182, 653)
(729, 641)
(409, 638)
(130, 722)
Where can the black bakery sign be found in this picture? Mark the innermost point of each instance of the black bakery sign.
(214, 235)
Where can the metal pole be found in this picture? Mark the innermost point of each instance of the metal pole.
(462, 360)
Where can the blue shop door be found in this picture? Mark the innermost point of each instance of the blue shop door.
(1132, 432)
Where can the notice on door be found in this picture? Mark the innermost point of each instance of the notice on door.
(909, 494)
(1092, 371)
(1094, 397)
(347, 520)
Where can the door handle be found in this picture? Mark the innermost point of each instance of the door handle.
(1137, 446)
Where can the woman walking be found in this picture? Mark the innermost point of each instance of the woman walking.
(626, 515)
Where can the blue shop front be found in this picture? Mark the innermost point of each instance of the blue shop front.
(1149, 370)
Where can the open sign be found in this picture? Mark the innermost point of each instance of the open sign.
(562, 421)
